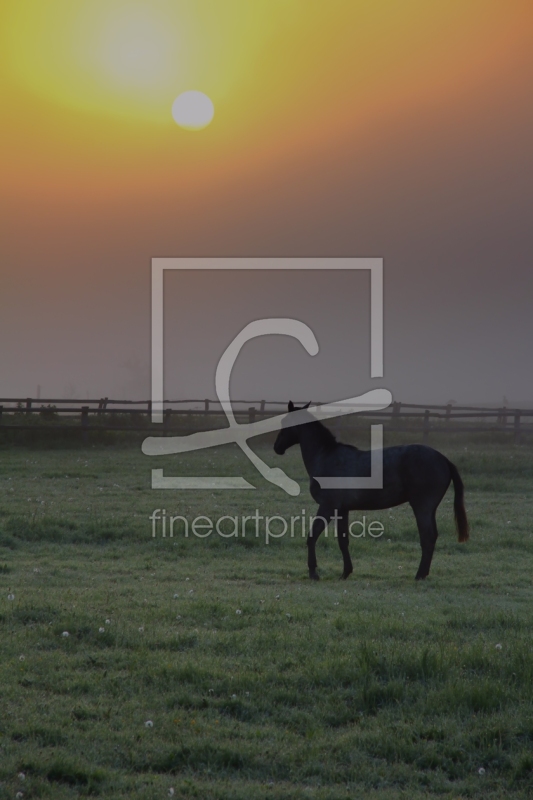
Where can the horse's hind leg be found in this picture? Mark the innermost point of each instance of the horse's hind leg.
(427, 529)
(342, 534)
(323, 516)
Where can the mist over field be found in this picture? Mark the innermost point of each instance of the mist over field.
(454, 350)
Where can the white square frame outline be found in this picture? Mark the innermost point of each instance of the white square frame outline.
(159, 265)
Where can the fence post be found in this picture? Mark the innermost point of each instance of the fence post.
(1, 411)
(517, 427)
(28, 405)
(396, 408)
(426, 425)
(502, 417)
(262, 406)
(166, 418)
(251, 415)
(84, 424)
(448, 413)
(149, 410)
(206, 407)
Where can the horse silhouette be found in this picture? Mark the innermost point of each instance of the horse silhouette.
(414, 474)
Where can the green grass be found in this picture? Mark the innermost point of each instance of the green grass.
(379, 687)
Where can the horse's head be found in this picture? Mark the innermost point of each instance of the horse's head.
(289, 434)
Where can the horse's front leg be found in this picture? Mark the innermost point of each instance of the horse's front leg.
(342, 534)
(324, 515)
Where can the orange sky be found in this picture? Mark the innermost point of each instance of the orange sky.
(395, 128)
(289, 77)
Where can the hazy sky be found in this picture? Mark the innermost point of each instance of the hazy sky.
(399, 129)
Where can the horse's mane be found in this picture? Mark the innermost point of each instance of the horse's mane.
(324, 435)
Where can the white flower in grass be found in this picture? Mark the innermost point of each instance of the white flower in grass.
(176, 596)
(19, 795)
(178, 616)
(171, 792)
(108, 622)
(11, 597)
(233, 696)
(289, 616)
(148, 724)
(335, 604)
(141, 629)
(238, 612)
(22, 658)
(101, 630)
(65, 634)
(498, 646)
(481, 771)
(21, 776)
(277, 597)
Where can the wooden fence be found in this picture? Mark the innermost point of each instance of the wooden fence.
(20, 414)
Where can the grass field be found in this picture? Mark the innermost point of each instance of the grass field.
(216, 669)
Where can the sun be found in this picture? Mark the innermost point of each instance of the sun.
(193, 110)
(132, 59)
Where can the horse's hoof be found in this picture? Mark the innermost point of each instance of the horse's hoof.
(346, 575)
(420, 577)
(314, 576)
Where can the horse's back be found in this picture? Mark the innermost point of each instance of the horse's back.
(410, 472)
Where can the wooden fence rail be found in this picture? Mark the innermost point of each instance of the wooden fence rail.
(57, 411)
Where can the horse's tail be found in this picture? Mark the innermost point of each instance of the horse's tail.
(461, 522)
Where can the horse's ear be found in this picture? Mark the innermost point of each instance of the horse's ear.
(307, 404)
(291, 405)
